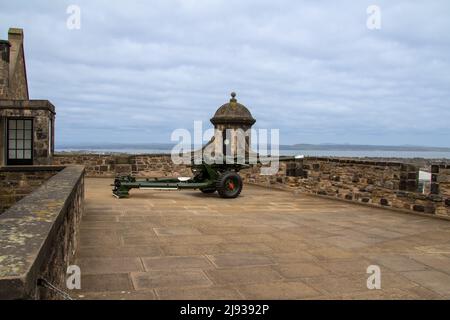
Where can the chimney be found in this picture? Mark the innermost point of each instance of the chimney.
(18, 87)
(15, 38)
(4, 68)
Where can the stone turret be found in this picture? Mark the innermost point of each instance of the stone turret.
(232, 115)
(232, 123)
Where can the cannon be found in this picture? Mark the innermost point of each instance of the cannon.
(208, 178)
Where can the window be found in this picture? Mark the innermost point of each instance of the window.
(20, 142)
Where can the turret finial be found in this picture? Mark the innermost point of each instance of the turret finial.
(233, 97)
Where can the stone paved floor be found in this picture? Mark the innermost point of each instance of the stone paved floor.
(265, 244)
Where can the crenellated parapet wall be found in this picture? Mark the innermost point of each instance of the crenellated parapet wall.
(440, 179)
(385, 184)
(344, 177)
(440, 185)
(382, 183)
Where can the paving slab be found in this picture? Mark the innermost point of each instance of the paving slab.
(169, 278)
(176, 231)
(301, 270)
(398, 262)
(243, 275)
(266, 244)
(240, 260)
(278, 290)
(434, 280)
(176, 262)
(104, 282)
(108, 265)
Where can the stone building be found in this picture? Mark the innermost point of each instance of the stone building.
(232, 123)
(26, 126)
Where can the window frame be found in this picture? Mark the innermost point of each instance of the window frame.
(18, 162)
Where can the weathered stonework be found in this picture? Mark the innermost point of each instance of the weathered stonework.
(13, 77)
(386, 184)
(15, 107)
(440, 186)
(380, 183)
(43, 114)
(151, 165)
(232, 123)
(17, 182)
(4, 68)
(38, 236)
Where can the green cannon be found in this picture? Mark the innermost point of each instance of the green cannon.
(208, 178)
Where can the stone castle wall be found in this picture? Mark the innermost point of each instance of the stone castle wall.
(342, 177)
(17, 182)
(61, 253)
(385, 184)
(98, 165)
(39, 236)
(440, 179)
(440, 185)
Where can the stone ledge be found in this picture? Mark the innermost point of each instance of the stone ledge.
(29, 230)
(27, 104)
(30, 168)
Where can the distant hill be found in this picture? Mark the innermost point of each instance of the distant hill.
(361, 147)
(300, 146)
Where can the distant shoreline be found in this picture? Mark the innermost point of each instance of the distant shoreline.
(422, 159)
(322, 150)
(307, 147)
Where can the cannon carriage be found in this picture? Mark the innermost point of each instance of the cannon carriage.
(208, 178)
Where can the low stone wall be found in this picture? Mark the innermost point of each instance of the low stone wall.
(382, 183)
(105, 165)
(440, 185)
(386, 184)
(440, 179)
(18, 181)
(38, 236)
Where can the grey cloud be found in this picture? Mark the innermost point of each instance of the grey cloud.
(139, 69)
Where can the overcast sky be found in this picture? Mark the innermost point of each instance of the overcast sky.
(137, 70)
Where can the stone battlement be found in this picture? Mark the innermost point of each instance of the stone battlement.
(379, 183)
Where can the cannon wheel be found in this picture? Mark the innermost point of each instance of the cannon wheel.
(208, 190)
(229, 184)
